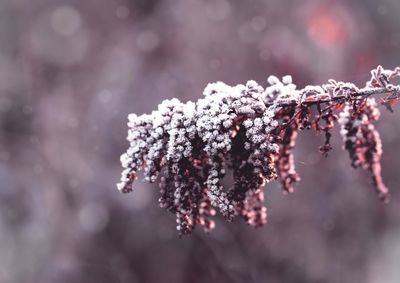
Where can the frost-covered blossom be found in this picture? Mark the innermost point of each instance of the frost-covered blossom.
(250, 131)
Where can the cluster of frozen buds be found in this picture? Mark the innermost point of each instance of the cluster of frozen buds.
(249, 131)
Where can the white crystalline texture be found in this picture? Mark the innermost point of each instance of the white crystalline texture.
(167, 135)
(272, 80)
(125, 160)
(287, 80)
(258, 122)
(217, 87)
(248, 123)
(281, 91)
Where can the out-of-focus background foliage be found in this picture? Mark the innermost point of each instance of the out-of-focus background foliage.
(71, 71)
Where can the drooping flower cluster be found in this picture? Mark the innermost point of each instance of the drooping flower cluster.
(362, 140)
(250, 132)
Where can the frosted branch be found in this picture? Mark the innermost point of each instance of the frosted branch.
(251, 131)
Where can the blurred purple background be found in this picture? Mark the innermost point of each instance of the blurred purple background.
(71, 71)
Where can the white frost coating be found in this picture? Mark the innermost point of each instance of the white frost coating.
(272, 80)
(166, 136)
(217, 87)
(281, 91)
(125, 160)
(287, 80)
(347, 122)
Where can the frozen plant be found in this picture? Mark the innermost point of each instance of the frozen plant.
(250, 131)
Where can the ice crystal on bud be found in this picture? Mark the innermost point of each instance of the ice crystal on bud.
(250, 131)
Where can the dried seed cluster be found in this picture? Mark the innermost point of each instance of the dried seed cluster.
(251, 132)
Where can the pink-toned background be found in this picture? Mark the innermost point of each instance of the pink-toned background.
(71, 71)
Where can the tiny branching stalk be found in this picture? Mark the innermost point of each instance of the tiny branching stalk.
(251, 131)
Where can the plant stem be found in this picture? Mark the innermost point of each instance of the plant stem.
(364, 92)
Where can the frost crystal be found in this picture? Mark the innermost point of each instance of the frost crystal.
(251, 132)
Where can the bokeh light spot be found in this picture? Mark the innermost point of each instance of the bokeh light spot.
(326, 28)
(122, 12)
(65, 20)
(148, 41)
